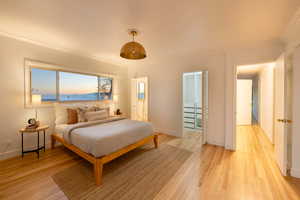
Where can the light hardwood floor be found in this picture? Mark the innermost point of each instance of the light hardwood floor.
(30, 178)
(210, 173)
(248, 173)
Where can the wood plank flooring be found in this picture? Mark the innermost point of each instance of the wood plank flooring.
(210, 173)
(30, 178)
(248, 173)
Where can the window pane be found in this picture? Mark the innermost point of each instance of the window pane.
(77, 87)
(105, 88)
(43, 82)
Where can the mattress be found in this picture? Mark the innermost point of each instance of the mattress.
(102, 138)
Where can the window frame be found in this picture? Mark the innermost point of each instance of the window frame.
(30, 64)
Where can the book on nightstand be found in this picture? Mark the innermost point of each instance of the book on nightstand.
(31, 127)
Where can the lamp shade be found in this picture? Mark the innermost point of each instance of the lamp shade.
(36, 99)
(133, 50)
(115, 98)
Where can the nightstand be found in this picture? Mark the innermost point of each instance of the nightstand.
(37, 130)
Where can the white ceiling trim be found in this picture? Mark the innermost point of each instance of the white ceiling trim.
(42, 44)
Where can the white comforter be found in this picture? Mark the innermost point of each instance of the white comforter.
(103, 137)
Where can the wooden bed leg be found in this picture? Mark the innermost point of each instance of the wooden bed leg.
(52, 142)
(98, 167)
(155, 141)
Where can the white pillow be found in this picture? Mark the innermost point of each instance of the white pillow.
(96, 115)
(61, 115)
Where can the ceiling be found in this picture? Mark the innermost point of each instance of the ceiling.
(170, 29)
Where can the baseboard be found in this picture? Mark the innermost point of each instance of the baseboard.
(18, 152)
(221, 144)
(10, 154)
(168, 132)
(230, 148)
(295, 173)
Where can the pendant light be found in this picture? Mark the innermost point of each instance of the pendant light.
(133, 50)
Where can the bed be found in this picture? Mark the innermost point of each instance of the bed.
(101, 141)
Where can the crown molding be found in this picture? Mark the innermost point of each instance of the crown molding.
(61, 49)
(28, 40)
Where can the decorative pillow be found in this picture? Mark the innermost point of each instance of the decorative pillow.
(96, 115)
(72, 116)
(81, 114)
(61, 113)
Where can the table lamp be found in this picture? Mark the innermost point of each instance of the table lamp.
(36, 100)
(116, 104)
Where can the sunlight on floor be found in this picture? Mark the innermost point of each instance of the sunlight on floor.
(191, 141)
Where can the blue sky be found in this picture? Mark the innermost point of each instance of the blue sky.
(44, 82)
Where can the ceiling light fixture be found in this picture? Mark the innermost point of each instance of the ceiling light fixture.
(133, 50)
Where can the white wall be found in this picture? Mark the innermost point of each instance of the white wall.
(165, 103)
(13, 114)
(295, 168)
(255, 94)
(244, 102)
(266, 80)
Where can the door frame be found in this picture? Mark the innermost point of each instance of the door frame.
(147, 95)
(205, 132)
(230, 110)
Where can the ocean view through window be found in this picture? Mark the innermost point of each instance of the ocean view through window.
(43, 82)
(55, 85)
(77, 87)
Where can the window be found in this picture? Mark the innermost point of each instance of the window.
(77, 87)
(56, 85)
(43, 82)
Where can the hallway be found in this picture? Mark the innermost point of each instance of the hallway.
(248, 173)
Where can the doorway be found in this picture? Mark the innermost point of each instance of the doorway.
(195, 103)
(255, 96)
(271, 100)
(139, 99)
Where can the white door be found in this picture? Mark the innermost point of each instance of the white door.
(244, 102)
(281, 112)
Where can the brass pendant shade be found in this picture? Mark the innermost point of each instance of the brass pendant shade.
(133, 50)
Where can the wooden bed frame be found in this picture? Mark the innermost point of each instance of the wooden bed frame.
(99, 162)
